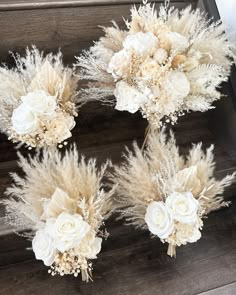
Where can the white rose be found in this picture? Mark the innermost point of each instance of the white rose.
(24, 121)
(40, 102)
(140, 42)
(58, 203)
(159, 220)
(95, 248)
(43, 248)
(184, 207)
(68, 231)
(176, 85)
(119, 64)
(178, 41)
(196, 235)
(128, 98)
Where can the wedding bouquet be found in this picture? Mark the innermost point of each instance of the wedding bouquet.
(38, 99)
(63, 203)
(163, 64)
(162, 191)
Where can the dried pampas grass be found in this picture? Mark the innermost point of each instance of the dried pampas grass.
(162, 191)
(62, 200)
(38, 99)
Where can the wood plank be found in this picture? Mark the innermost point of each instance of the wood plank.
(224, 290)
(30, 4)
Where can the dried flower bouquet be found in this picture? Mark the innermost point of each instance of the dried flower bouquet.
(162, 191)
(62, 201)
(163, 64)
(38, 99)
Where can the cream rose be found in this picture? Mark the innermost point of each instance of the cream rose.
(160, 55)
(140, 42)
(24, 121)
(159, 220)
(119, 64)
(184, 207)
(43, 247)
(178, 41)
(128, 98)
(186, 233)
(68, 231)
(148, 68)
(58, 203)
(41, 103)
(90, 246)
(176, 85)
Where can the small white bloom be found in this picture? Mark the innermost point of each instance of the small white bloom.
(176, 85)
(43, 248)
(178, 41)
(140, 42)
(186, 233)
(68, 231)
(160, 55)
(119, 64)
(148, 68)
(41, 103)
(58, 203)
(184, 207)
(128, 98)
(159, 220)
(24, 121)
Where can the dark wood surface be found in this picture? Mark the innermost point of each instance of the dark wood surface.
(130, 262)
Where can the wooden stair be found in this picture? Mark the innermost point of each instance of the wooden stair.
(130, 262)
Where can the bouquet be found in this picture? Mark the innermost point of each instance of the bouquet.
(38, 99)
(63, 204)
(170, 195)
(164, 64)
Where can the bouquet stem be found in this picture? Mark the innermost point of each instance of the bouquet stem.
(171, 250)
(147, 131)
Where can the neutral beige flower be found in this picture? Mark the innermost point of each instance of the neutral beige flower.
(161, 55)
(178, 41)
(148, 68)
(186, 233)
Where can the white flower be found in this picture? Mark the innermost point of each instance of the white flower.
(128, 98)
(159, 220)
(68, 231)
(119, 64)
(43, 248)
(178, 41)
(160, 55)
(186, 233)
(184, 207)
(90, 246)
(58, 203)
(176, 85)
(41, 103)
(24, 121)
(140, 42)
(148, 68)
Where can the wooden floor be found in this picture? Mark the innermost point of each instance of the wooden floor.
(130, 262)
